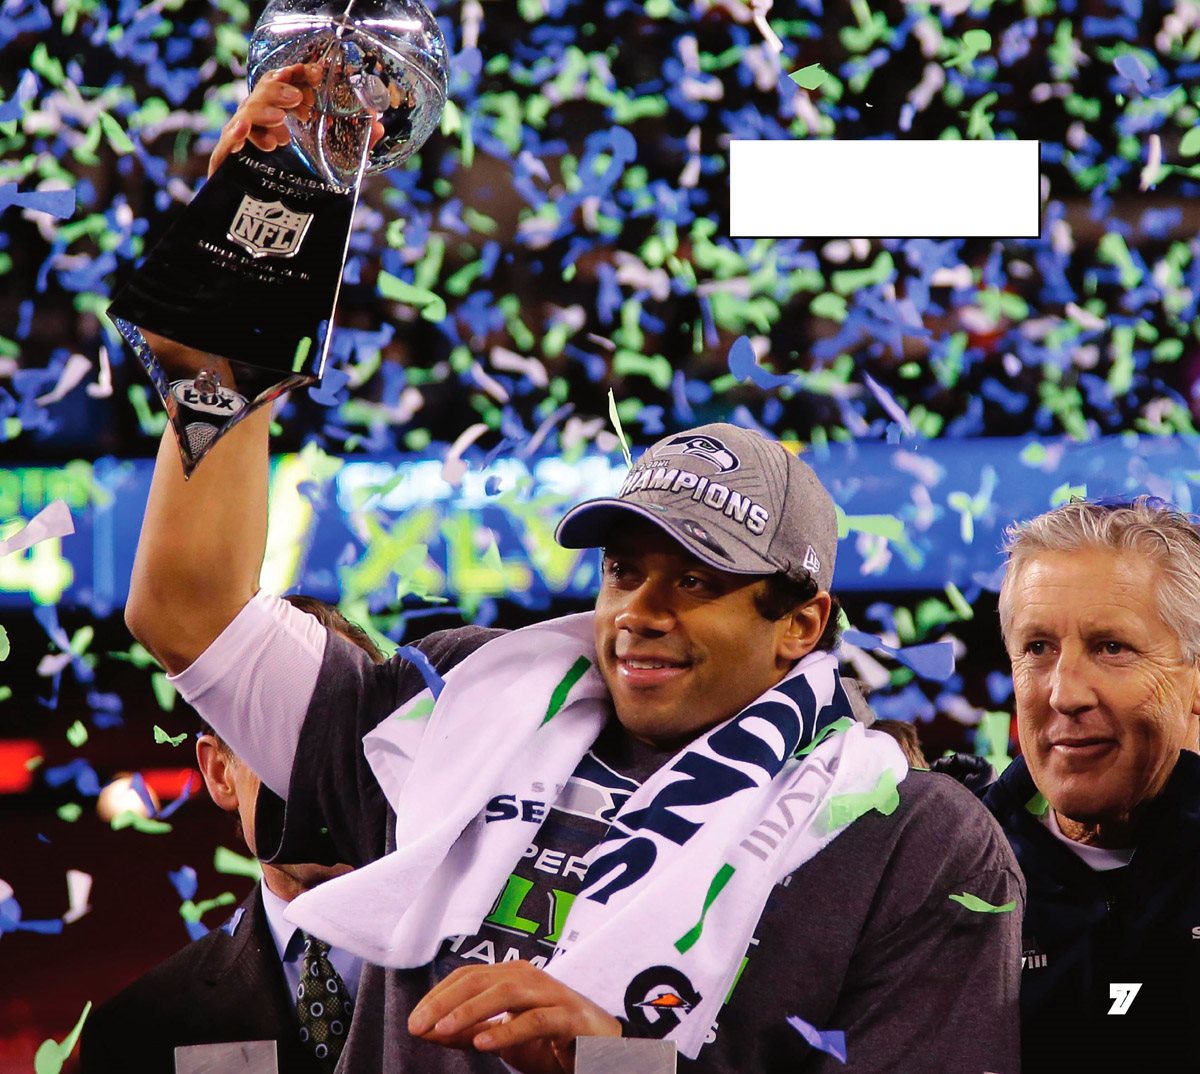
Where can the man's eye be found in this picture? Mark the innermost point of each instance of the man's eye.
(1113, 648)
(616, 570)
(1036, 648)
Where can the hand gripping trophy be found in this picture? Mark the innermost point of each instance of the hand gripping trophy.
(249, 274)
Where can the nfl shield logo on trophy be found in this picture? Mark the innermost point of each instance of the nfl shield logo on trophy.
(268, 228)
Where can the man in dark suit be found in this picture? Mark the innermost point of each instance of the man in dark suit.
(227, 986)
(240, 981)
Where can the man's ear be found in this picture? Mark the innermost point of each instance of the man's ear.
(1196, 688)
(216, 766)
(802, 628)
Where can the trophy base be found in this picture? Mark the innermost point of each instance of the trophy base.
(234, 305)
(205, 395)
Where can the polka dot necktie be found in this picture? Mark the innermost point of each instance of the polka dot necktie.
(323, 1004)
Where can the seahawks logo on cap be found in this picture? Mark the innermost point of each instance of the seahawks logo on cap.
(708, 448)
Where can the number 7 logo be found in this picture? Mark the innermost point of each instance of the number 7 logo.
(1122, 997)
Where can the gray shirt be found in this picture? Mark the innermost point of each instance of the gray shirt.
(863, 938)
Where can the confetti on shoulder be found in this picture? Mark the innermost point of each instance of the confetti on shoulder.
(978, 906)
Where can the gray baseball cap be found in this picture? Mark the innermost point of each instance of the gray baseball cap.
(734, 499)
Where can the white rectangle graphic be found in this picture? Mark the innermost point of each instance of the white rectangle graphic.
(884, 189)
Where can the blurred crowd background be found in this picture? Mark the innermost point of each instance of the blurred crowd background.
(561, 237)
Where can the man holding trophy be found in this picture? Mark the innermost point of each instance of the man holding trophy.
(585, 844)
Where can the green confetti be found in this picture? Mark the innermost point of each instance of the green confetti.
(828, 305)
(5, 645)
(973, 43)
(1037, 805)
(301, 353)
(842, 723)
(46, 66)
(491, 557)
(979, 119)
(888, 526)
(847, 808)
(558, 697)
(131, 819)
(615, 418)
(1066, 492)
(432, 307)
(715, 887)
(5, 693)
(152, 422)
(51, 1055)
(978, 906)
(193, 911)
(70, 812)
(77, 734)
(958, 602)
(657, 369)
(164, 692)
(1189, 144)
(810, 77)
(231, 863)
(847, 281)
(160, 736)
(1034, 454)
(419, 710)
(117, 137)
(137, 655)
(1113, 251)
(991, 739)
(81, 639)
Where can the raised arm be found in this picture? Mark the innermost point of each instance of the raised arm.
(201, 546)
(202, 541)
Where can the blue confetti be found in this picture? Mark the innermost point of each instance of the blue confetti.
(830, 1041)
(433, 680)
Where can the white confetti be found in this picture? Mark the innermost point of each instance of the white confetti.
(79, 887)
(510, 362)
(76, 368)
(454, 466)
(54, 520)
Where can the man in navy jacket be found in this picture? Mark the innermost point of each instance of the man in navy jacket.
(1101, 618)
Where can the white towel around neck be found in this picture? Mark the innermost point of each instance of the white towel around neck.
(488, 734)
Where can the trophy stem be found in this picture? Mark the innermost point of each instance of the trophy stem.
(364, 160)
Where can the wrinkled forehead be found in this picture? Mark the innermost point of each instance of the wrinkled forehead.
(1091, 565)
(1084, 589)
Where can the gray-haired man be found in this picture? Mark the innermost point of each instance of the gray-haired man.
(1101, 617)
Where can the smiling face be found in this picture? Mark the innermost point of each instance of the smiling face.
(681, 645)
(1105, 697)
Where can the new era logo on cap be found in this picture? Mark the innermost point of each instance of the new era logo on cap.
(812, 562)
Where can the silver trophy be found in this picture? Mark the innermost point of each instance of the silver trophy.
(249, 274)
(382, 59)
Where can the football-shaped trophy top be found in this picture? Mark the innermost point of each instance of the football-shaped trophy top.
(379, 59)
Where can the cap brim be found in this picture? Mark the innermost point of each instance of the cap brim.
(590, 525)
